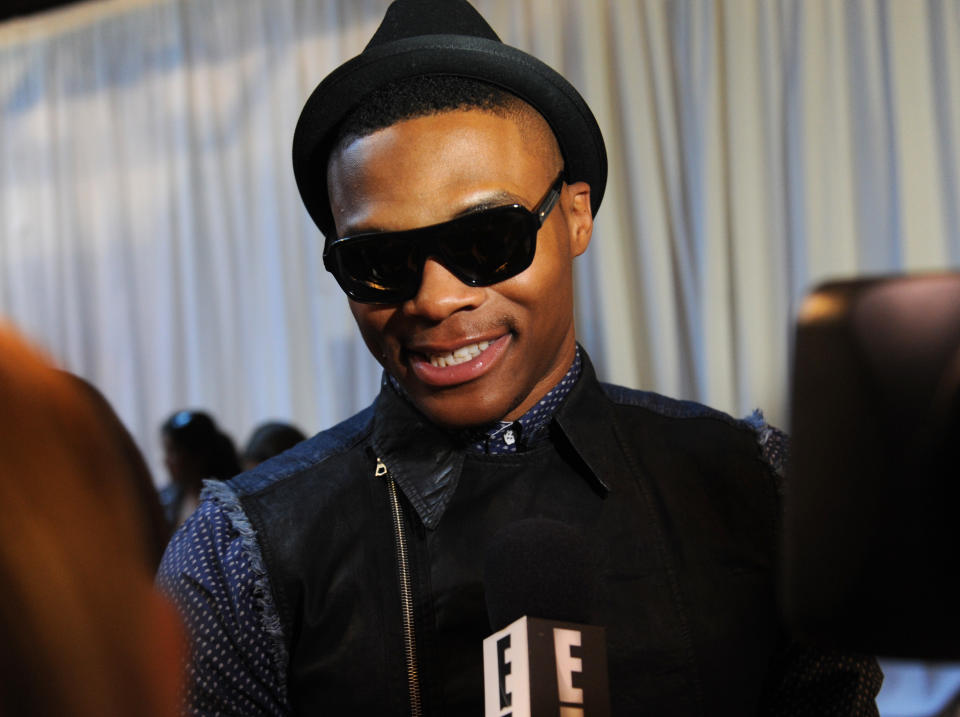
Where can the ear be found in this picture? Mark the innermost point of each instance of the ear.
(576, 205)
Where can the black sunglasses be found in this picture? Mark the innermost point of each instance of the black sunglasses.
(480, 249)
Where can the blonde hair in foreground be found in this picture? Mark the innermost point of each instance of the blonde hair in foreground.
(82, 629)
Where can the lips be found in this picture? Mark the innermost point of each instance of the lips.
(463, 364)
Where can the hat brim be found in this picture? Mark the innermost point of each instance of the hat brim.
(574, 125)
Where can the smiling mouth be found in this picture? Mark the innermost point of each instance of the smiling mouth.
(461, 355)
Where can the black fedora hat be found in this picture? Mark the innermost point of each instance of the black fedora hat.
(441, 37)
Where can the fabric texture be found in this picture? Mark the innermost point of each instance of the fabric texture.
(782, 679)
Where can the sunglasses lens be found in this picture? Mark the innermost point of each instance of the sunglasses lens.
(489, 247)
(379, 269)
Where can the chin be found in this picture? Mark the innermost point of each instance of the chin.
(462, 412)
(449, 417)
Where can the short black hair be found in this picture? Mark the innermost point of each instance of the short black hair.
(196, 434)
(422, 96)
(271, 439)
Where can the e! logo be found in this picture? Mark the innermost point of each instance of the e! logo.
(506, 672)
(566, 648)
(503, 671)
(546, 668)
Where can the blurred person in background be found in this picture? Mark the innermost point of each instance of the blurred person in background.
(194, 449)
(268, 440)
(82, 629)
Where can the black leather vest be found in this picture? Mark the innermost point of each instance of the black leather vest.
(673, 495)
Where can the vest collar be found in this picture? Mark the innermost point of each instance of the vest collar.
(426, 462)
(419, 455)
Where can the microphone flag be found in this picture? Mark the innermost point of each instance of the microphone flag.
(536, 667)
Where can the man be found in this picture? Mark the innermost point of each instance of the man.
(455, 180)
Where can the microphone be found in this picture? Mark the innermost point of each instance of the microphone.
(542, 659)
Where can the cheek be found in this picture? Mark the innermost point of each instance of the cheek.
(547, 286)
(372, 322)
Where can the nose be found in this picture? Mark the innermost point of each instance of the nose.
(442, 294)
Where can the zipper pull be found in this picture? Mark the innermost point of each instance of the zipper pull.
(381, 469)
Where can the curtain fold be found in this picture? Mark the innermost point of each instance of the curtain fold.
(152, 238)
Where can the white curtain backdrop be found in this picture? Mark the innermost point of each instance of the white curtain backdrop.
(152, 239)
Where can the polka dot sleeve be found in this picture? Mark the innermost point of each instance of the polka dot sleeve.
(825, 683)
(233, 666)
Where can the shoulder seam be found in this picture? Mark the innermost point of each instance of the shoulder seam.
(666, 406)
(772, 443)
(303, 457)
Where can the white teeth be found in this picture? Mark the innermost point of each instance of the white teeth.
(461, 355)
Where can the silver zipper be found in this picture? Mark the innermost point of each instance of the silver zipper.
(406, 593)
